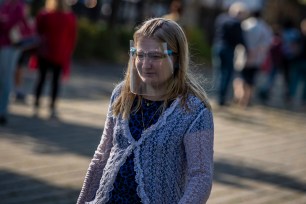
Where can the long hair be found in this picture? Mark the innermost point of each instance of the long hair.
(182, 82)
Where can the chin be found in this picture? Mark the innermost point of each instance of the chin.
(149, 79)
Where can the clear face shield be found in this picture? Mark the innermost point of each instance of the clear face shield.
(151, 67)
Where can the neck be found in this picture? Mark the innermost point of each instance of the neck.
(154, 98)
(159, 93)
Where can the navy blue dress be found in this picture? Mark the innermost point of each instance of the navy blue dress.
(125, 186)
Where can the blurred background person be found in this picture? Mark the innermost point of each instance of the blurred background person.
(298, 68)
(26, 44)
(56, 27)
(11, 14)
(175, 11)
(258, 38)
(291, 39)
(228, 34)
(274, 64)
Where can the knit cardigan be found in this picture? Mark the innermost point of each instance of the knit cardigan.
(173, 158)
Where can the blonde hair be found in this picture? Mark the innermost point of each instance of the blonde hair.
(182, 83)
(56, 5)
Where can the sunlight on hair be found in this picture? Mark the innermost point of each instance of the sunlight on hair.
(50, 5)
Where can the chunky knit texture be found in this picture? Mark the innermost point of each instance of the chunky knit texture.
(173, 158)
(125, 186)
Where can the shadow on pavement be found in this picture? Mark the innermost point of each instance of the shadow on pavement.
(53, 137)
(56, 137)
(22, 189)
(226, 172)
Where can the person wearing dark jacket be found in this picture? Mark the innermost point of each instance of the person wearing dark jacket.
(228, 34)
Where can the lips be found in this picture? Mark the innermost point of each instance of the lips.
(148, 74)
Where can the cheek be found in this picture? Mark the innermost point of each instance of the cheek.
(164, 69)
(138, 65)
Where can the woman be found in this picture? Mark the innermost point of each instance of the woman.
(157, 145)
(56, 27)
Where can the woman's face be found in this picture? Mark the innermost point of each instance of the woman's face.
(152, 64)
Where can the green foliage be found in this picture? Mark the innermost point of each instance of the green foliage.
(199, 47)
(96, 41)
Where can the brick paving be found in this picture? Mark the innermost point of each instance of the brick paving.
(259, 152)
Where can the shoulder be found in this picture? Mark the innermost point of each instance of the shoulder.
(197, 116)
(42, 14)
(70, 15)
(116, 91)
(20, 6)
(195, 104)
(198, 109)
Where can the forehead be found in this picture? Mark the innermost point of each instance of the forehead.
(149, 44)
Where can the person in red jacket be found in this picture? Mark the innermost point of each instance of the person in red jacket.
(56, 27)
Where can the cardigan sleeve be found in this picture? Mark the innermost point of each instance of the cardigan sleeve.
(198, 144)
(96, 167)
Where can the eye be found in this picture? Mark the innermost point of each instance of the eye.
(140, 55)
(156, 56)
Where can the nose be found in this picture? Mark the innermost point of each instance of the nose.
(146, 62)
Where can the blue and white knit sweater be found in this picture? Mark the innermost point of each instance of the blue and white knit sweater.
(173, 158)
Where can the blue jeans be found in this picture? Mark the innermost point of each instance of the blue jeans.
(223, 61)
(8, 62)
(297, 77)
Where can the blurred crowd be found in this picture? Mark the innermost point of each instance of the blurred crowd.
(44, 42)
(246, 47)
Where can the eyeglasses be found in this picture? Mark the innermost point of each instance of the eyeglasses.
(152, 56)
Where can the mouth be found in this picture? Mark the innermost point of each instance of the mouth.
(148, 74)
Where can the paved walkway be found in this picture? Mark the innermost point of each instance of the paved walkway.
(260, 153)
